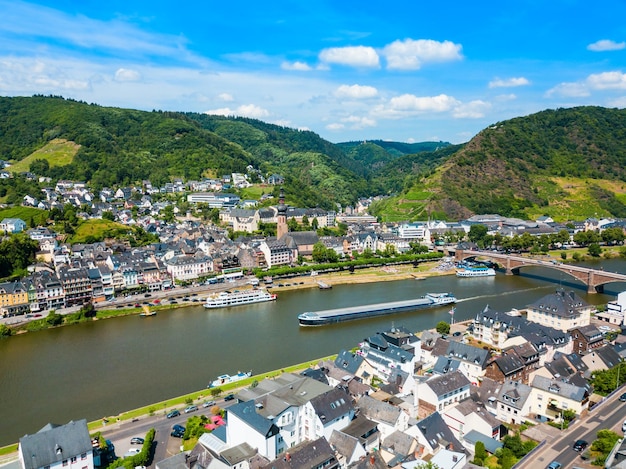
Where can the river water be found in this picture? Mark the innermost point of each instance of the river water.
(110, 366)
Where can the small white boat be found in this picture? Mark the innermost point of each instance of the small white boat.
(225, 379)
(147, 312)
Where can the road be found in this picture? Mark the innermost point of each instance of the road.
(609, 414)
(166, 445)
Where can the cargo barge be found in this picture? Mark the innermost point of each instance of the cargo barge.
(330, 316)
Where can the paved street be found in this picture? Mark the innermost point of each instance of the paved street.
(610, 414)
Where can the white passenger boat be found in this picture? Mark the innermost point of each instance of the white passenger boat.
(236, 298)
(225, 379)
(476, 271)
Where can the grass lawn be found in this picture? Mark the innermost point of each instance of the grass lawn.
(95, 228)
(58, 152)
(26, 213)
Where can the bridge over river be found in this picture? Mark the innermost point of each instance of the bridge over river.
(594, 279)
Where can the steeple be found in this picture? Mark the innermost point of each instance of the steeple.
(281, 225)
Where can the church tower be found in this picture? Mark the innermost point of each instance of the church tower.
(281, 226)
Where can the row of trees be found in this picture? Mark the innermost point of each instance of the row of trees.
(543, 243)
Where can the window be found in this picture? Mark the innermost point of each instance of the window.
(83, 456)
(73, 459)
(65, 462)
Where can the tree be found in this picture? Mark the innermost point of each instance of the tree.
(292, 224)
(443, 327)
(477, 233)
(108, 215)
(39, 167)
(5, 331)
(480, 454)
(594, 250)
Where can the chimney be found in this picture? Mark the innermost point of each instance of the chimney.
(288, 457)
(372, 459)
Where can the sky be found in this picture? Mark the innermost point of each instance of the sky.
(407, 71)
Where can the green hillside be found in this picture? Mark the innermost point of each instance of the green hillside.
(568, 163)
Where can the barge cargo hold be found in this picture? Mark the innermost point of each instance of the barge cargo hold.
(330, 316)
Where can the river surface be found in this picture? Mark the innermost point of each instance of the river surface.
(106, 367)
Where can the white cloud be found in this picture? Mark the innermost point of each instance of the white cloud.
(335, 127)
(296, 66)
(282, 123)
(569, 90)
(607, 81)
(87, 34)
(472, 110)
(408, 105)
(505, 97)
(508, 83)
(358, 122)
(606, 45)
(245, 110)
(226, 97)
(356, 92)
(410, 54)
(354, 56)
(618, 102)
(125, 74)
(37, 76)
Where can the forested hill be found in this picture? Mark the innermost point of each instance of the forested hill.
(569, 163)
(109, 147)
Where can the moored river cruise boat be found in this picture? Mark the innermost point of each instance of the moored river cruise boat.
(244, 297)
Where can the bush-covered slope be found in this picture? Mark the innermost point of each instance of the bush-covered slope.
(117, 146)
(122, 146)
(507, 167)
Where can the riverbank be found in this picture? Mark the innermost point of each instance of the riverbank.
(9, 452)
(369, 275)
(193, 296)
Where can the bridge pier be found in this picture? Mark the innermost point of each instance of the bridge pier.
(507, 268)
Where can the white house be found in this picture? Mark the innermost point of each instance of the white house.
(57, 447)
(12, 225)
(285, 411)
(189, 267)
(390, 418)
(440, 392)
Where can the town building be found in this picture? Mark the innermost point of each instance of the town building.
(57, 447)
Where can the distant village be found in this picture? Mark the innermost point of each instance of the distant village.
(190, 251)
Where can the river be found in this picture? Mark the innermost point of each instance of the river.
(106, 367)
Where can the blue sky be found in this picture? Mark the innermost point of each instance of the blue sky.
(407, 71)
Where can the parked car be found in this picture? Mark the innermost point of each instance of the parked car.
(191, 408)
(208, 404)
(229, 397)
(554, 465)
(178, 431)
(622, 398)
(579, 445)
(173, 414)
(132, 452)
(136, 441)
(624, 426)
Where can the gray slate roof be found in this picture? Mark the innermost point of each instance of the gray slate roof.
(562, 303)
(55, 443)
(379, 411)
(560, 388)
(444, 384)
